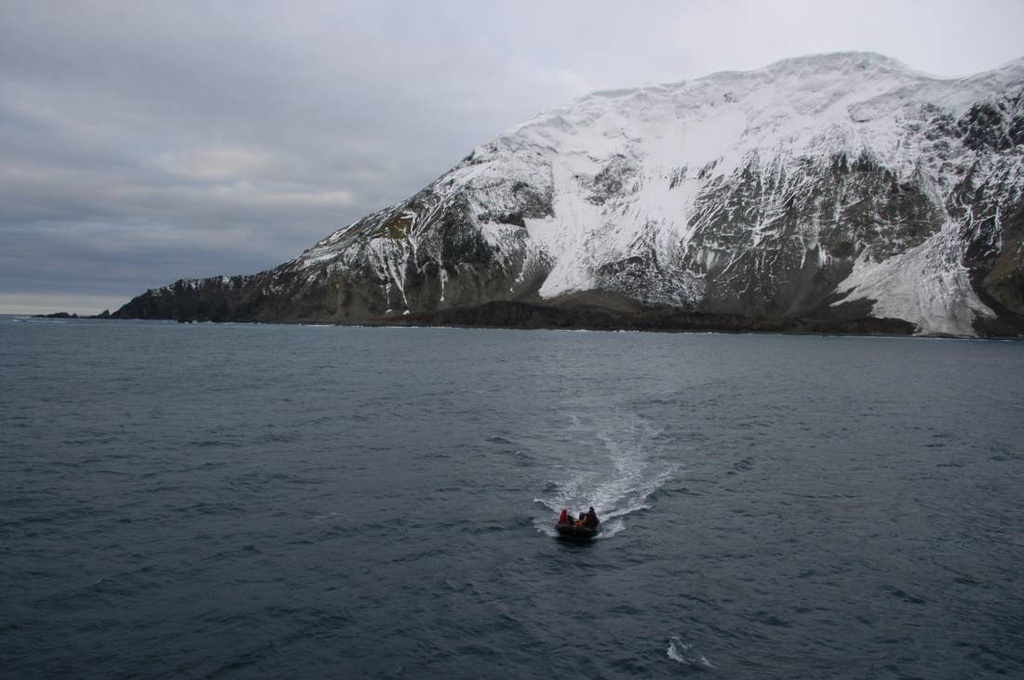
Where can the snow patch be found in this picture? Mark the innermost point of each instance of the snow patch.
(926, 285)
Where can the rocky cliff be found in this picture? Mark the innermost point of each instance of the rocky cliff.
(840, 192)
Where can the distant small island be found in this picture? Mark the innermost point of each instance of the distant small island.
(105, 314)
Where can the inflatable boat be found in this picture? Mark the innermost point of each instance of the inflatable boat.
(575, 531)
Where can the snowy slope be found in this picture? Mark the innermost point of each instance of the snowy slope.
(794, 190)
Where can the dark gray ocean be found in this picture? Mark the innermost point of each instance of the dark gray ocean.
(244, 501)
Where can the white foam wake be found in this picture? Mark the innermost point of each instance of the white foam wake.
(682, 652)
(613, 470)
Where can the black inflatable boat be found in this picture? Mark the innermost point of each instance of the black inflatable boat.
(575, 531)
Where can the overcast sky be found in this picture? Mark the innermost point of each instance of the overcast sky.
(143, 142)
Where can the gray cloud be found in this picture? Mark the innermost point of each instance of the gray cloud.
(143, 142)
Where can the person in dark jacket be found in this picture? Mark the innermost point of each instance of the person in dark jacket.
(590, 519)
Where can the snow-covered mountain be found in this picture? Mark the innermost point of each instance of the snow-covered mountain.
(836, 192)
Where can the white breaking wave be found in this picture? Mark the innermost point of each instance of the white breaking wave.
(614, 472)
(682, 652)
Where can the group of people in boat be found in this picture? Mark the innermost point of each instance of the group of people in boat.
(587, 520)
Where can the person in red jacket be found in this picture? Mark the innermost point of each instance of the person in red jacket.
(564, 517)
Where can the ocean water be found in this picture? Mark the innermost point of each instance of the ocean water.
(243, 501)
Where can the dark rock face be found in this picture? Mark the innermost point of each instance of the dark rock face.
(894, 215)
(572, 316)
(213, 299)
(763, 264)
(56, 315)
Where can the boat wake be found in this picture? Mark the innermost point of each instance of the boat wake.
(612, 469)
(682, 652)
